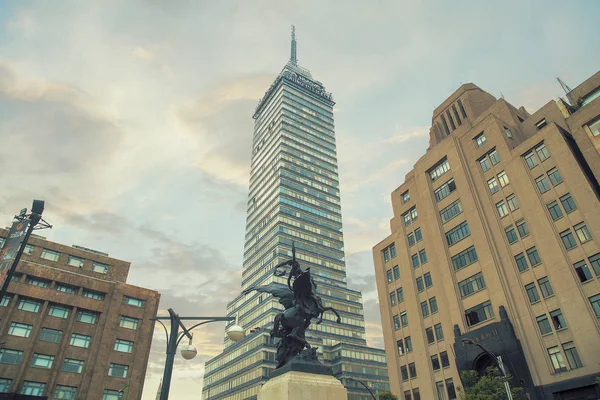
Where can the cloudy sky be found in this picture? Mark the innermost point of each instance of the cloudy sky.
(132, 119)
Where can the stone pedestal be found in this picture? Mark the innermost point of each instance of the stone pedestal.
(298, 385)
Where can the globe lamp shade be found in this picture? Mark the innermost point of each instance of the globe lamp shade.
(236, 333)
(188, 351)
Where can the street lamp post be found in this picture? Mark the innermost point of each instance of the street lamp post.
(375, 396)
(499, 362)
(174, 337)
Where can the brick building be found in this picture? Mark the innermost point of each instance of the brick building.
(72, 328)
(496, 238)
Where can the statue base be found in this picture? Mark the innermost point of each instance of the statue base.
(297, 385)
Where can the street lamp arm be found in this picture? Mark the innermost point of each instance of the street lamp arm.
(362, 383)
(164, 327)
(186, 331)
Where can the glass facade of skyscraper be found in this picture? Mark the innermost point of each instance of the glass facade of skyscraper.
(294, 197)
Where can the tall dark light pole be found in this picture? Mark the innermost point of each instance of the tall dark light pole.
(22, 221)
(498, 360)
(375, 397)
(174, 337)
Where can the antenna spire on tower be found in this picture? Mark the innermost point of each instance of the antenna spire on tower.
(293, 59)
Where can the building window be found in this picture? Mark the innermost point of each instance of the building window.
(5, 301)
(512, 202)
(65, 392)
(435, 362)
(29, 305)
(484, 163)
(128, 322)
(429, 335)
(5, 383)
(61, 287)
(42, 361)
(423, 256)
(87, 317)
(511, 235)
(456, 115)
(414, 217)
(439, 332)
(503, 178)
(418, 234)
(595, 302)
(462, 109)
(542, 184)
(542, 152)
(545, 287)
(425, 309)
(522, 228)
(583, 234)
(532, 293)
(393, 298)
(118, 370)
(420, 286)
(400, 345)
(411, 239)
(464, 258)
(594, 127)
(18, 329)
(79, 340)
(595, 263)
(428, 281)
(521, 262)
(583, 272)
(404, 319)
(404, 372)
(439, 169)
(73, 366)
(557, 319)
(554, 210)
(33, 281)
(451, 211)
(471, 285)
(51, 335)
(451, 389)
(415, 260)
(445, 360)
(557, 359)
(396, 270)
(441, 392)
(91, 294)
(416, 394)
(493, 185)
(28, 249)
(494, 157)
(50, 255)
(406, 217)
(530, 159)
(568, 203)
(100, 268)
(412, 370)
(58, 311)
(534, 257)
(8, 356)
(554, 176)
(480, 140)
(433, 305)
(405, 197)
(544, 324)
(400, 295)
(33, 388)
(112, 395)
(479, 313)
(389, 253)
(408, 343)
(457, 233)
(501, 208)
(572, 355)
(390, 277)
(568, 240)
(445, 190)
(75, 261)
(540, 124)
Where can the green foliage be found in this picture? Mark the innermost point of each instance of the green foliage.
(598, 380)
(387, 395)
(489, 387)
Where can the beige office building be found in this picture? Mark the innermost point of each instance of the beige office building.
(496, 238)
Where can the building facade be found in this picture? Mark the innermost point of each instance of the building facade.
(294, 197)
(72, 328)
(496, 238)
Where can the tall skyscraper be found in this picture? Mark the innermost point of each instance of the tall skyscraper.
(294, 197)
(496, 239)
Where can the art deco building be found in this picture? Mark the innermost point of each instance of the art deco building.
(294, 197)
(496, 238)
(72, 328)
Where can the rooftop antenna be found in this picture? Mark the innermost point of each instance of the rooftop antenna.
(565, 87)
(293, 59)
